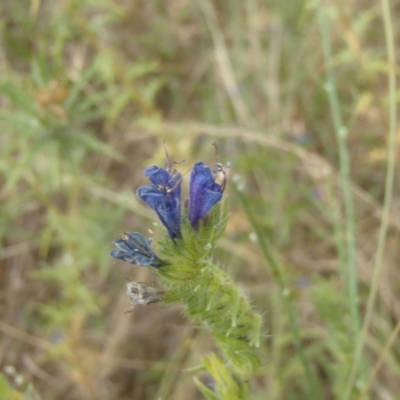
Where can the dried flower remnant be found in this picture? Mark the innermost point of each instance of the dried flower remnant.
(143, 294)
(135, 249)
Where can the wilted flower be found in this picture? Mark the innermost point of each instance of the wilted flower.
(143, 294)
(135, 249)
(164, 197)
(204, 192)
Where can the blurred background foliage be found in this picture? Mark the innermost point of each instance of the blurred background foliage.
(89, 90)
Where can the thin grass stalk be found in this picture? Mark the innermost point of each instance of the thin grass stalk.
(334, 214)
(389, 344)
(313, 388)
(344, 177)
(224, 63)
(389, 181)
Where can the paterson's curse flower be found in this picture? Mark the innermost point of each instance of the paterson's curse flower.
(204, 192)
(135, 249)
(164, 197)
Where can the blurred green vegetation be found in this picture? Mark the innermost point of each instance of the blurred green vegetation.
(89, 90)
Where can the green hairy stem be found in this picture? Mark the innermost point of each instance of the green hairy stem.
(214, 301)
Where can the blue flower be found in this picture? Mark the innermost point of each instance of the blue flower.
(135, 249)
(204, 192)
(164, 197)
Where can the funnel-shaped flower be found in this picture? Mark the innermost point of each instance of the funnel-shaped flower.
(164, 197)
(135, 249)
(204, 193)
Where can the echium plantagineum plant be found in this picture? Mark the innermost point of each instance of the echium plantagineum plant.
(187, 273)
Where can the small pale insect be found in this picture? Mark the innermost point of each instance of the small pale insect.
(143, 294)
(221, 171)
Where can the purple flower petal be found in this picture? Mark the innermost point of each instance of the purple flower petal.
(204, 193)
(164, 197)
(135, 249)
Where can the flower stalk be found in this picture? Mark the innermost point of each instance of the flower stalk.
(188, 275)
